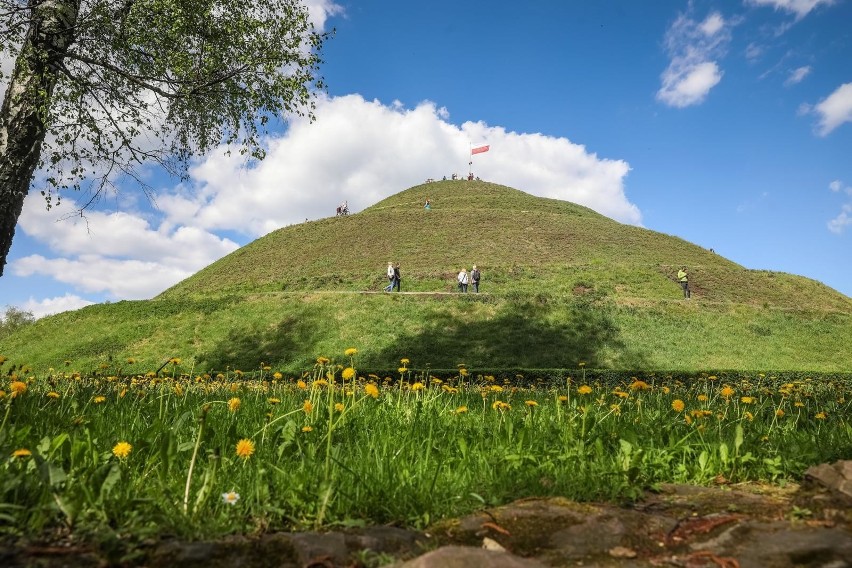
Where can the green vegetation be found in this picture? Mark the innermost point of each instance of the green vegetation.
(119, 458)
(561, 285)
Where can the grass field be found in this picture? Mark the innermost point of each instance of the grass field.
(200, 456)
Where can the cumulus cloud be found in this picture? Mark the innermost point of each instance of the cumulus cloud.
(800, 8)
(693, 47)
(363, 151)
(50, 306)
(844, 218)
(834, 110)
(117, 253)
(797, 75)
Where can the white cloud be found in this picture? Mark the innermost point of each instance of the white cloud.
(321, 10)
(363, 151)
(117, 253)
(834, 110)
(800, 8)
(692, 71)
(49, 306)
(797, 75)
(844, 218)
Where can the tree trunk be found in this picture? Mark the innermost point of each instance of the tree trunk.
(26, 106)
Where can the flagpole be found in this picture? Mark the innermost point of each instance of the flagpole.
(470, 160)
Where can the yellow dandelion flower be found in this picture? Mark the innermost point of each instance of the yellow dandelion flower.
(727, 391)
(620, 393)
(820, 415)
(702, 398)
(245, 448)
(308, 407)
(563, 398)
(123, 393)
(678, 405)
(99, 399)
(178, 390)
(350, 352)
(418, 386)
(320, 383)
(639, 385)
(277, 376)
(371, 390)
(234, 404)
(616, 409)
(273, 400)
(348, 374)
(300, 384)
(121, 450)
(339, 407)
(463, 372)
(52, 394)
(688, 419)
(500, 405)
(307, 429)
(748, 416)
(404, 361)
(21, 453)
(666, 390)
(2, 394)
(530, 403)
(322, 360)
(17, 387)
(496, 388)
(747, 400)
(461, 410)
(584, 389)
(779, 413)
(402, 370)
(450, 390)
(798, 404)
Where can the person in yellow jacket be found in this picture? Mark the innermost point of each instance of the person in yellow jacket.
(683, 278)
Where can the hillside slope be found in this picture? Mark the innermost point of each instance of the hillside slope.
(561, 285)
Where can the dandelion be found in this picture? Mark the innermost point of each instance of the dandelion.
(350, 352)
(463, 372)
(639, 385)
(584, 389)
(234, 404)
(678, 405)
(666, 390)
(121, 450)
(702, 398)
(307, 429)
(21, 453)
(417, 386)
(348, 374)
(748, 416)
(501, 406)
(52, 394)
(496, 388)
(339, 407)
(531, 403)
(277, 376)
(402, 370)
(747, 400)
(405, 361)
(100, 399)
(17, 387)
(2, 394)
(230, 498)
(461, 410)
(245, 448)
(563, 398)
(123, 393)
(727, 391)
(273, 400)
(779, 413)
(308, 407)
(300, 384)
(798, 404)
(820, 415)
(616, 409)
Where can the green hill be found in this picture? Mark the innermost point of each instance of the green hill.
(561, 285)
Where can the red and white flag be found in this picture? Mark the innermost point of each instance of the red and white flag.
(480, 149)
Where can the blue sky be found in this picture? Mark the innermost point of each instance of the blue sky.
(726, 123)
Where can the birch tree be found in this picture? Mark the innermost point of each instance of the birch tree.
(102, 89)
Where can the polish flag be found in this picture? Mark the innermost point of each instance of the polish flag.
(480, 149)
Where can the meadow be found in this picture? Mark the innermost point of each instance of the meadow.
(200, 455)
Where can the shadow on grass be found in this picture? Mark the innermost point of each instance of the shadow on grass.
(522, 335)
(247, 347)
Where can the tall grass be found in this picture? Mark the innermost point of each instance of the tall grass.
(200, 455)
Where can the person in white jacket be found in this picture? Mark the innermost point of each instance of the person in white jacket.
(463, 280)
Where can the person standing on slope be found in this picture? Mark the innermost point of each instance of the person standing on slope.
(474, 279)
(683, 278)
(389, 287)
(397, 278)
(462, 278)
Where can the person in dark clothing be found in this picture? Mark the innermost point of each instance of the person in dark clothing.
(474, 279)
(397, 278)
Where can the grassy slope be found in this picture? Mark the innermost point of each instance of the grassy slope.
(564, 284)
